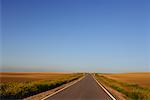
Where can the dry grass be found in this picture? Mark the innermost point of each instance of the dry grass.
(140, 78)
(131, 90)
(22, 85)
(29, 76)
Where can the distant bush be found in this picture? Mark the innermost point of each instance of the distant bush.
(132, 91)
(19, 90)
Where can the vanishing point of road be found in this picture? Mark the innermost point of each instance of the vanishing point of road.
(85, 89)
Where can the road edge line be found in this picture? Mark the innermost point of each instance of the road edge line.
(111, 96)
(63, 88)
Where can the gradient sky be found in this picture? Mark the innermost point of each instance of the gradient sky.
(75, 35)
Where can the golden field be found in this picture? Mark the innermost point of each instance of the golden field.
(140, 78)
(129, 86)
(30, 76)
(19, 85)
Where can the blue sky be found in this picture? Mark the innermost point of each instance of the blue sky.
(75, 35)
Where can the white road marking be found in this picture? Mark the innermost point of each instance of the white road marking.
(63, 88)
(112, 97)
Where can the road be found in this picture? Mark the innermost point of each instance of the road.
(86, 89)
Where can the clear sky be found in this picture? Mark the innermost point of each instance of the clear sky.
(75, 35)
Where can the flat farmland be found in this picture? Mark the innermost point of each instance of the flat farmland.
(19, 85)
(141, 78)
(132, 86)
(30, 76)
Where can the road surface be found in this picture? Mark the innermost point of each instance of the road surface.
(86, 89)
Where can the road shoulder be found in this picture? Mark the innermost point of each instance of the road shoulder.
(105, 90)
(46, 94)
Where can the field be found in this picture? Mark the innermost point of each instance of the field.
(142, 79)
(21, 85)
(29, 76)
(134, 86)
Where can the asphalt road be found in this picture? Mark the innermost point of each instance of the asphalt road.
(86, 89)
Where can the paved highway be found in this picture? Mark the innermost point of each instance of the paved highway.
(86, 89)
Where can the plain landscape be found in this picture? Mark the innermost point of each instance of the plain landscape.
(16, 85)
(140, 78)
(30, 76)
(75, 50)
(134, 86)
(20, 85)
